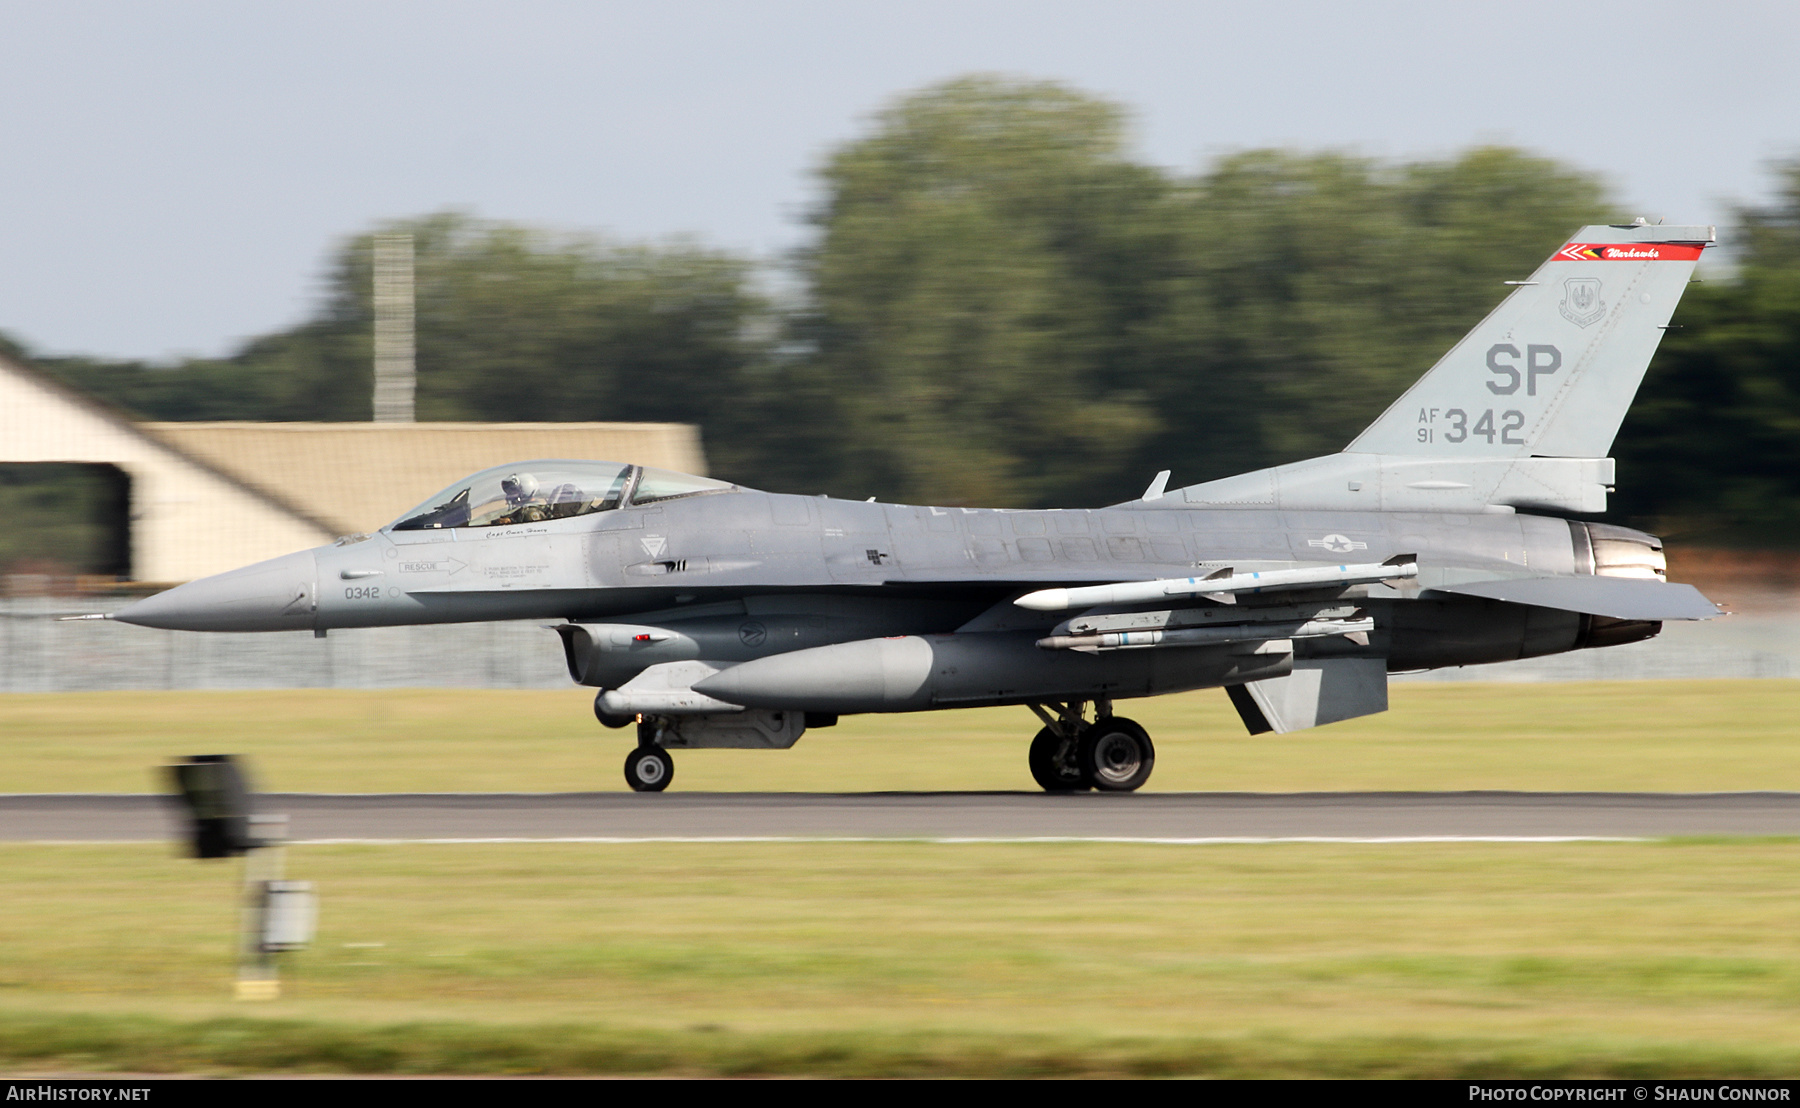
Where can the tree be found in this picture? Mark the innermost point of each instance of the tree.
(1001, 306)
(1314, 288)
(1712, 447)
(984, 259)
(521, 324)
(513, 324)
(1006, 309)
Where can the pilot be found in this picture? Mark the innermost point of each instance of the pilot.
(520, 489)
(566, 500)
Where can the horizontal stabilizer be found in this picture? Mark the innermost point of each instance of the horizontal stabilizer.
(1275, 580)
(1618, 597)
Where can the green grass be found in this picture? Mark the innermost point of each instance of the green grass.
(1439, 960)
(1679, 958)
(268, 1046)
(1630, 736)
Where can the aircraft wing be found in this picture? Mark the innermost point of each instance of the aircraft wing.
(1618, 597)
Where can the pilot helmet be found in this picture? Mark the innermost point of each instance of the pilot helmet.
(519, 487)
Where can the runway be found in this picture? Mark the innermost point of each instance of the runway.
(1145, 817)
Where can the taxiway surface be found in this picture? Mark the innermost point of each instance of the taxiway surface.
(983, 816)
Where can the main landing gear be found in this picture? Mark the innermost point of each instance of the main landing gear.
(1111, 754)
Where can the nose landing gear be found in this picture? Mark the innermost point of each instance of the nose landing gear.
(648, 768)
(1111, 754)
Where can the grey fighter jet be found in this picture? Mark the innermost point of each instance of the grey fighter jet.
(712, 615)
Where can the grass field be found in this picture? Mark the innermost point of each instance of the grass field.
(1423, 960)
(1628, 959)
(1635, 736)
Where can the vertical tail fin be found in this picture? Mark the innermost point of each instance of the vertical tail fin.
(1522, 412)
(1552, 370)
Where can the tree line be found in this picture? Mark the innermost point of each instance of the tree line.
(999, 305)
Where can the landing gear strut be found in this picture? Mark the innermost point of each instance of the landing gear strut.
(648, 769)
(1112, 754)
(1055, 749)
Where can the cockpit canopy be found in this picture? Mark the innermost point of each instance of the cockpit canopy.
(531, 492)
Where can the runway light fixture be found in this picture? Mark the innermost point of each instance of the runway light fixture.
(278, 915)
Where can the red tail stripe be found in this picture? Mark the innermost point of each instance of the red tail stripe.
(1628, 252)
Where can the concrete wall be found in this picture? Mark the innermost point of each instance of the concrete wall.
(38, 654)
(1733, 646)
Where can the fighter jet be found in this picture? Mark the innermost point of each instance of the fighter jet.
(713, 615)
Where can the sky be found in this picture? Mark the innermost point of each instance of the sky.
(178, 174)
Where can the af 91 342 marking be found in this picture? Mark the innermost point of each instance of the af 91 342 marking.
(1512, 421)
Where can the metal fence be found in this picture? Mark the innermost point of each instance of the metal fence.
(38, 654)
(1731, 646)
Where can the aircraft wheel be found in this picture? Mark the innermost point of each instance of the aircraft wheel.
(1052, 775)
(648, 769)
(1116, 755)
(606, 718)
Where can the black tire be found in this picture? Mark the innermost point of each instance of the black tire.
(1053, 776)
(1116, 755)
(648, 769)
(606, 718)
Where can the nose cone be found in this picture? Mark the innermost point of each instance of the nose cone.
(276, 595)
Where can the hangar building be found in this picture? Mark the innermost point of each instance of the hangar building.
(208, 497)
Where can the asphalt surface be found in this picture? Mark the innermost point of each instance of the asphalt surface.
(1001, 816)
